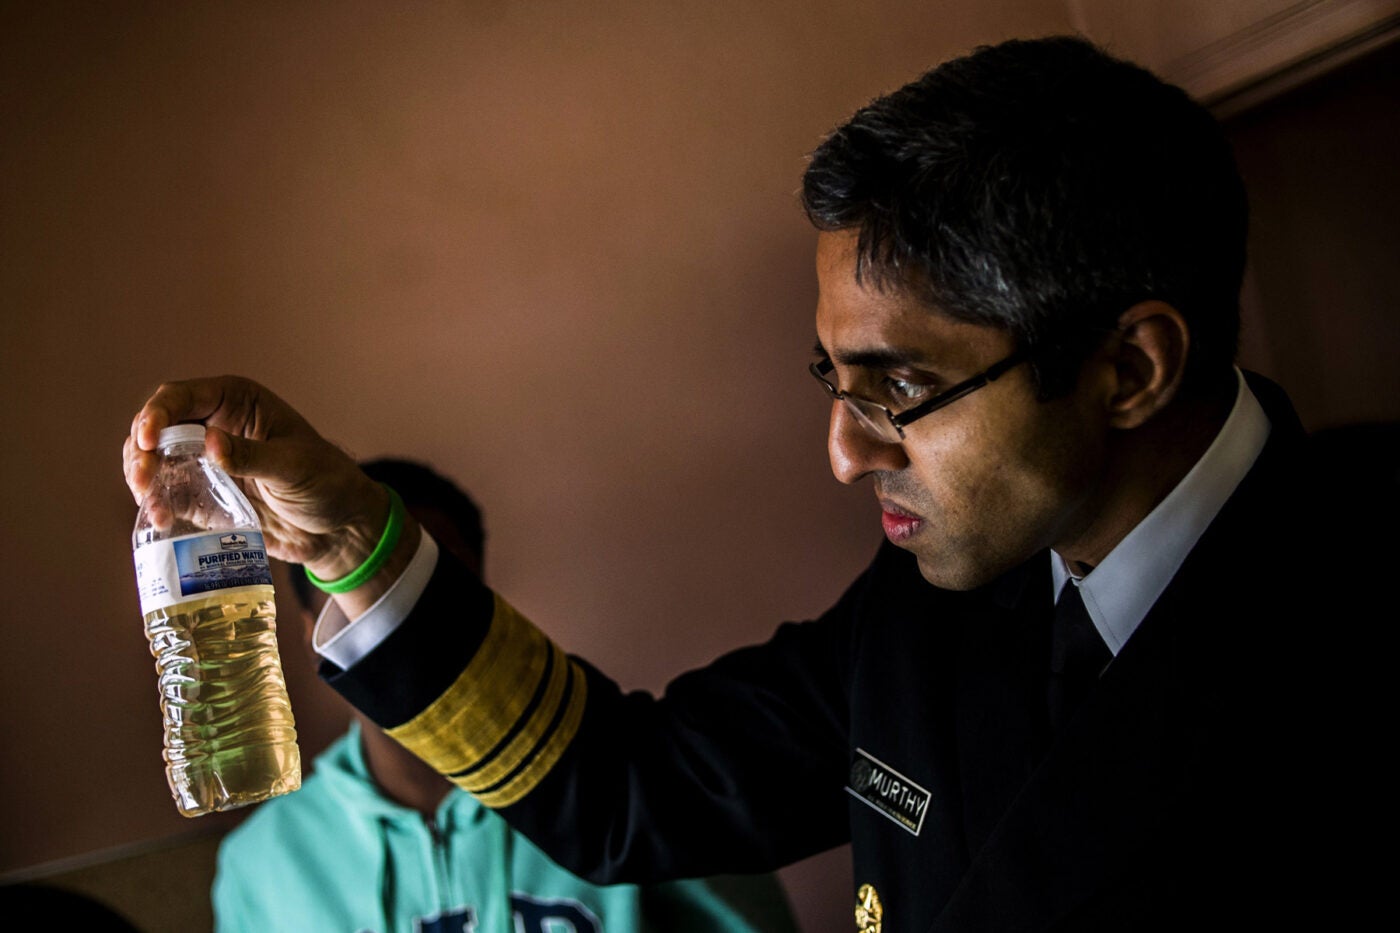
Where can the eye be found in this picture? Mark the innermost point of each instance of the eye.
(905, 390)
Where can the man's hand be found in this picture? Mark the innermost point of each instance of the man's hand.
(315, 504)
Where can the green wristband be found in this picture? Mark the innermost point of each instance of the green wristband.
(376, 559)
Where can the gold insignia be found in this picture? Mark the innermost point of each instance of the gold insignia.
(869, 912)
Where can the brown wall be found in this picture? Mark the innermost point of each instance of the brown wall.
(552, 248)
(1322, 302)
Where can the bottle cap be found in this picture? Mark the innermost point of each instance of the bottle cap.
(181, 434)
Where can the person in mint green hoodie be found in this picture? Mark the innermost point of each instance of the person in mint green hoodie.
(376, 841)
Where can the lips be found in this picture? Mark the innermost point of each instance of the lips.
(899, 524)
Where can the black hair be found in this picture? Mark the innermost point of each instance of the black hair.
(1043, 187)
(419, 486)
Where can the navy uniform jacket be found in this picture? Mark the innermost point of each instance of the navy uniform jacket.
(1203, 785)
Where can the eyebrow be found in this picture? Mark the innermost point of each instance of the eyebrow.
(881, 358)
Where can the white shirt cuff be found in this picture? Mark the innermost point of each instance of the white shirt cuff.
(345, 642)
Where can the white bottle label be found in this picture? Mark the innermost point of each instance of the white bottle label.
(172, 571)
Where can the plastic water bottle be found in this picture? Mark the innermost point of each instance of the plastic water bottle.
(206, 595)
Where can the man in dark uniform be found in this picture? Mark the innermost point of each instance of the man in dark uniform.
(1069, 692)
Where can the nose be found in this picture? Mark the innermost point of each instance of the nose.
(854, 451)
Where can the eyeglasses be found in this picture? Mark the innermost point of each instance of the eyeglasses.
(889, 426)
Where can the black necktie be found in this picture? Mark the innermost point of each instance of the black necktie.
(1077, 655)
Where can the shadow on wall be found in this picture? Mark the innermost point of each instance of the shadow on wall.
(154, 888)
(62, 905)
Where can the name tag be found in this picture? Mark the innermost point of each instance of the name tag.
(885, 790)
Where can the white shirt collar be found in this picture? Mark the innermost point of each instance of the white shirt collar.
(343, 642)
(1119, 592)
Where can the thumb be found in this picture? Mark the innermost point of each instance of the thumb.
(311, 486)
(249, 459)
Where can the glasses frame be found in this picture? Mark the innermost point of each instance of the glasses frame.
(864, 409)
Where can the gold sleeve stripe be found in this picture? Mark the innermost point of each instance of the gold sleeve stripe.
(500, 762)
(507, 718)
(547, 689)
(547, 751)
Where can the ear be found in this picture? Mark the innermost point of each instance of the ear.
(1149, 361)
